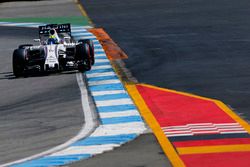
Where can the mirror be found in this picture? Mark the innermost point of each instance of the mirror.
(37, 40)
(66, 37)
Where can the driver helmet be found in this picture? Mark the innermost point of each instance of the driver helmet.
(52, 37)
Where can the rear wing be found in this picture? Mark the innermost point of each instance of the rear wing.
(60, 28)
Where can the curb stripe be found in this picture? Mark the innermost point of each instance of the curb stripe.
(100, 57)
(103, 73)
(214, 149)
(111, 97)
(117, 114)
(101, 54)
(114, 102)
(204, 128)
(119, 129)
(117, 139)
(211, 142)
(118, 120)
(102, 63)
(98, 46)
(116, 108)
(102, 78)
(93, 149)
(104, 82)
(100, 93)
(100, 51)
(100, 71)
(208, 137)
(101, 67)
(101, 60)
(117, 86)
(55, 160)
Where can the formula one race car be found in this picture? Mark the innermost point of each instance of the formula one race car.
(57, 51)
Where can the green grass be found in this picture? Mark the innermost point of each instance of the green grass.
(75, 20)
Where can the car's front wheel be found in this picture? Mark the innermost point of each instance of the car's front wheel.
(83, 57)
(91, 49)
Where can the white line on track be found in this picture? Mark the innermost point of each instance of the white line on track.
(100, 55)
(112, 81)
(114, 102)
(101, 60)
(97, 45)
(101, 67)
(88, 127)
(117, 129)
(119, 114)
(101, 74)
(99, 50)
(110, 92)
(95, 149)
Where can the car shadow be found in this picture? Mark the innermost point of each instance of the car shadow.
(10, 75)
(6, 75)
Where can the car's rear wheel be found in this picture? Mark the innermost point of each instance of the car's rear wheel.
(18, 62)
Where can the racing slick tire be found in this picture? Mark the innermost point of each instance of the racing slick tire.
(24, 45)
(18, 62)
(91, 46)
(83, 57)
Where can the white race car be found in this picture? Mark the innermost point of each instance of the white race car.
(57, 51)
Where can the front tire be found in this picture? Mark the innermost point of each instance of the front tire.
(83, 57)
(91, 47)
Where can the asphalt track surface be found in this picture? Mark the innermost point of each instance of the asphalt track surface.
(195, 46)
(45, 8)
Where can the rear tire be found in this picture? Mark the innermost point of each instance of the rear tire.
(18, 62)
(92, 50)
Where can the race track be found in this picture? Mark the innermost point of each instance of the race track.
(196, 46)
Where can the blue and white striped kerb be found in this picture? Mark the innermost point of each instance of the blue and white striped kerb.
(120, 119)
